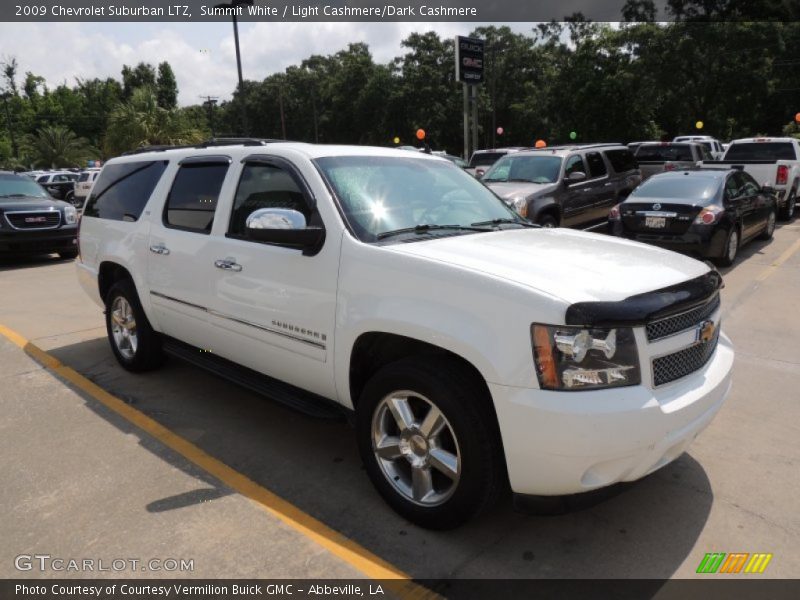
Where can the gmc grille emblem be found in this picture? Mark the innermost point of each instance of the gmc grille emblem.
(656, 206)
(36, 219)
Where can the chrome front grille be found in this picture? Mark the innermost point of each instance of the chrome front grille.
(681, 322)
(672, 367)
(45, 219)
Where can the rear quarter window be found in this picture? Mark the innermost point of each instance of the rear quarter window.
(621, 160)
(123, 189)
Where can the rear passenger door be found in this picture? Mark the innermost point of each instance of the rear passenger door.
(603, 189)
(578, 200)
(179, 249)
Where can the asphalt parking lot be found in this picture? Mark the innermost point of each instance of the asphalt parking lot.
(188, 466)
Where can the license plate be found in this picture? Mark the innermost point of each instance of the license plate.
(655, 222)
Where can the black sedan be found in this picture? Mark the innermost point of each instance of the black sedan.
(708, 213)
(31, 222)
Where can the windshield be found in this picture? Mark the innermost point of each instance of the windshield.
(679, 152)
(761, 151)
(485, 159)
(535, 169)
(15, 185)
(379, 194)
(682, 188)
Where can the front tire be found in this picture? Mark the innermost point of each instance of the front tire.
(547, 220)
(135, 344)
(428, 440)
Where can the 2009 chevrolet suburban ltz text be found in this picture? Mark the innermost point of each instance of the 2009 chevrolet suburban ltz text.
(474, 349)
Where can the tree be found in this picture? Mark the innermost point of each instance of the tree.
(54, 147)
(143, 75)
(140, 121)
(167, 87)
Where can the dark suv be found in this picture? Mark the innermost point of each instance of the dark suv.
(570, 186)
(31, 222)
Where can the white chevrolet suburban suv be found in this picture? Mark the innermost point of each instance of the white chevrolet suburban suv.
(473, 349)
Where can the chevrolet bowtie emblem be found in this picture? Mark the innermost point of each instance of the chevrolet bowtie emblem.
(705, 333)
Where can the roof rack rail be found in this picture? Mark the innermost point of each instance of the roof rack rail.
(210, 143)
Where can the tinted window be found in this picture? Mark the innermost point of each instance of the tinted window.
(536, 169)
(683, 187)
(265, 186)
(574, 165)
(761, 151)
(123, 189)
(597, 166)
(657, 153)
(747, 185)
(621, 160)
(43, 178)
(485, 159)
(193, 197)
(83, 177)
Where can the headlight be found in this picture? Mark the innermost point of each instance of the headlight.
(70, 215)
(520, 205)
(578, 358)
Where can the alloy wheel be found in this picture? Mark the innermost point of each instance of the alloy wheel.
(123, 328)
(416, 448)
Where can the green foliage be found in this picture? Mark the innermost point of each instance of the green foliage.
(140, 121)
(57, 146)
(167, 87)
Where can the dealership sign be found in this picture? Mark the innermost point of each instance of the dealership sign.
(469, 60)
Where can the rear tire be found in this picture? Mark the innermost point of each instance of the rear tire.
(135, 344)
(769, 229)
(788, 210)
(436, 480)
(731, 249)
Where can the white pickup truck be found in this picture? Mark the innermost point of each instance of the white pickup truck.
(471, 348)
(773, 162)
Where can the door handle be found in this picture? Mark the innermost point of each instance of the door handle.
(159, 249)
(228, 264)
(608, 184)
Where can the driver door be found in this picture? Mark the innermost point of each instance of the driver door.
(273, 306)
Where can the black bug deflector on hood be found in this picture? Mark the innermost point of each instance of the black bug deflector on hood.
(641, 308)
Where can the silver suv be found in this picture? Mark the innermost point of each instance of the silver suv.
(570, 186)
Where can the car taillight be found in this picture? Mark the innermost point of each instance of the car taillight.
(783, 175)
(613, 214)
(710, 215)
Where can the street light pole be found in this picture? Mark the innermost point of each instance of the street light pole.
(235, 4)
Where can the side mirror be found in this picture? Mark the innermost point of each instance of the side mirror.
(767, 189)
(282, 226)
(575, 177)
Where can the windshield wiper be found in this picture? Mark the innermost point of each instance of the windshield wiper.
(425, 227)
(504, 222)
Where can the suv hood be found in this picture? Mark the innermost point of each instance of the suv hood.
(517, 189)
(575, 266)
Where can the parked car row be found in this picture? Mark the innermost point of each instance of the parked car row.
(70, 186)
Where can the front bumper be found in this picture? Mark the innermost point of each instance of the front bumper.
(39, 241)
(560, 443)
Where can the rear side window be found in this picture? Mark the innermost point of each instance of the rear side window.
(123, 189)
(761, 151)
(83, 177)
(193, 197)
(665, 152)
(621, 160)
(597, 166)
(485, 159)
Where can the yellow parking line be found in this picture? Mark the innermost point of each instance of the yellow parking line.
(780, 260)
(337, 544)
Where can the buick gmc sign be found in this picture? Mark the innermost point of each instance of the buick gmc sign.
(469, 60)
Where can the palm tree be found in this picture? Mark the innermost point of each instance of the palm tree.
(141, 122)
(56, 146)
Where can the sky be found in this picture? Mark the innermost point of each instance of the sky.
(201, 54)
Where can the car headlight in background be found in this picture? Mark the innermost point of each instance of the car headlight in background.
(580, 358)
(70, 215)
(520, 205)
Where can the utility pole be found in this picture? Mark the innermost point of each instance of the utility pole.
(14, 149)
(235, 4)
(210, 103)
